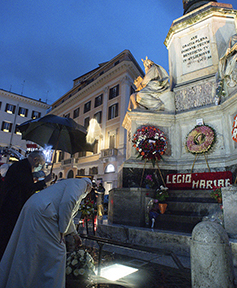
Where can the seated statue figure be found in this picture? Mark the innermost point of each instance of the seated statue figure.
(228, 63)
(147, 93)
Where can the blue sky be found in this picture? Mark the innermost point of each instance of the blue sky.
(46, 44)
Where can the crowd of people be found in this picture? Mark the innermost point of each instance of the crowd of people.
(35, 217)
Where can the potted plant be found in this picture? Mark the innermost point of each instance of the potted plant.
(161, 195)
(216, 194)
(149, 181)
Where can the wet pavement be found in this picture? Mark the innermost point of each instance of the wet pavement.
(154, 269)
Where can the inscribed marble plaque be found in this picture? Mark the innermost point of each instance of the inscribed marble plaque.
(196, 50)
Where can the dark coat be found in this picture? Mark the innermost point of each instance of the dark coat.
(17, 187)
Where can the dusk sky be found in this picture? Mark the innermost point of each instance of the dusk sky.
(46, 44)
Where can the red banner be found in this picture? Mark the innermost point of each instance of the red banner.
(202, 181)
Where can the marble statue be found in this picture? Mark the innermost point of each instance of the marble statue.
(228, 63)
(149, 88)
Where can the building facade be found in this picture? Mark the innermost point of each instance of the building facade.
(14, 110)
(103, 94)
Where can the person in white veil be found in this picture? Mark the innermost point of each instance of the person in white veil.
(36, 253)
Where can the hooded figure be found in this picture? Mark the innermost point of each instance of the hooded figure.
(36, 252)
(17, 187)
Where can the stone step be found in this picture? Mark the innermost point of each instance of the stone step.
(176, 242)
(189, 194)
(185, 209)
(191, 208)
(181, 223)
(191, 199)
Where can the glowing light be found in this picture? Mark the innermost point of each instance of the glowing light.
(110, 168)
(93, 131)
(48, 153)
(116, 271)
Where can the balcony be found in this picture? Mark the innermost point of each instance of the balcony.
(68, 162)
(108, 153)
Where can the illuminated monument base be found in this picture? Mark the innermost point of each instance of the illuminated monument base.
(203, 84)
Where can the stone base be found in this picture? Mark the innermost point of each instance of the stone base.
(178, 243)
(130, 174)
(229, 196)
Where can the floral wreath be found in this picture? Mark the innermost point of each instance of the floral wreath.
(150, 142)
(201, 139)
(234, 130)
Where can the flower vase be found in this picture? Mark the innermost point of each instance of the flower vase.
(162, 207)
(219, 200)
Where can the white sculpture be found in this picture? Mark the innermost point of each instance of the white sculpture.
(228, 63)
(148, 89)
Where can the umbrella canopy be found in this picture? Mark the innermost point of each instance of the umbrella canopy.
(59, 132)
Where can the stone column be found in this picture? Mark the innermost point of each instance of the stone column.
(211, 258)
(229, 199)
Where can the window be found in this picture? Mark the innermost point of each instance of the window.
(23, 112)
(70, 174)
(110, 168)
(113, 111)
(111, 141)
(81, 172)
(6, 126)
(0, 104)
(98, 117)
(99, 100)
(86, 122)
(93, 170)
(35, 114)
(60, 156)
(66, 115)
(17, 131)
(10, 108)
(114, 92)
(76, 113)
(82, 154)
(95, 148)
(87, 107)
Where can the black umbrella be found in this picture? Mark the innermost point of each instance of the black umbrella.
(59, 132)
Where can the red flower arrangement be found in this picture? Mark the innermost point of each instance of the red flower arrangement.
(150, 142)
(234, 130)
(201, 139)
(216, 194)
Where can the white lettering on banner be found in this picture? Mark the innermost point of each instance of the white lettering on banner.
(179, 179)
(188, 178)
(202, 184)
(209, 182)
(221, 182)
(195, 184)
(174, 179)
(168, 180)
(196, 181)
(227, 182)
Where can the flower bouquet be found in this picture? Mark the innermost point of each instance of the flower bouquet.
(87, 209)
(149, 181)
(161, 194)
(80, 265)
(216, 194)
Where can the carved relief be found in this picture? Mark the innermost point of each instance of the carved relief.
(194, 96)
